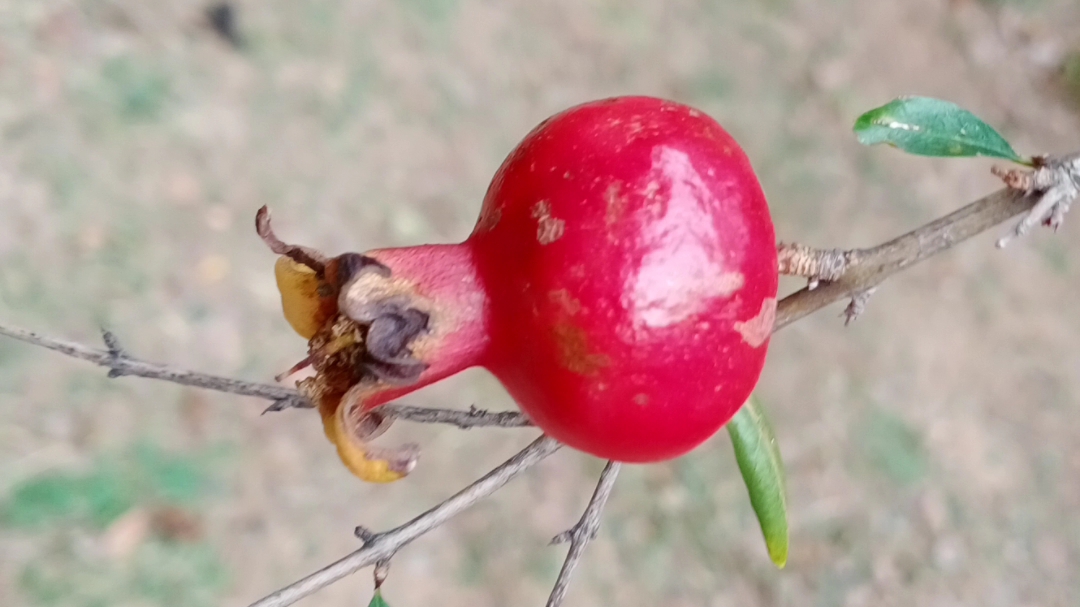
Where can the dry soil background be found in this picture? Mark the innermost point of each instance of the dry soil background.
(933, 447)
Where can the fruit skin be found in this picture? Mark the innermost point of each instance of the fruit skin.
(630, 260)
(620, 282)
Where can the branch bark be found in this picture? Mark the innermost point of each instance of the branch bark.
(583, 532)
(473, 418)
(120, 364)
(870, 267)
(381, 546)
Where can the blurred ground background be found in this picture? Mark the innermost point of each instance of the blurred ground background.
(932, 447)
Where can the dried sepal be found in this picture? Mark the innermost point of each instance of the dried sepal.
(352, 428)
(307, 299)
(368, 462)
(355, 358)
(336, 353)
(342, 387)
(302, 255)
(305, 308)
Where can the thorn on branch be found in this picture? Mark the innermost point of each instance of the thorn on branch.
(562, 538)
(364, 534)
(583, 532)
(575, 534)
(816, 265)
(111, 342)
(1055, 180)
(292, 401)
(857, 305)
(116, 354)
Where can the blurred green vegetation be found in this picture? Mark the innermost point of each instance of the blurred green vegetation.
(114, 485)
(157, 573)
(892, 446)
(1070, 72)
(167, 563)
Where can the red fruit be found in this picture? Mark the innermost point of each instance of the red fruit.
(620, 282)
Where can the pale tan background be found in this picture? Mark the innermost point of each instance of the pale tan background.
(933, 447)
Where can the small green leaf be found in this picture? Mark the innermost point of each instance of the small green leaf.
(932, 127)
(377, 600)
(763, 471)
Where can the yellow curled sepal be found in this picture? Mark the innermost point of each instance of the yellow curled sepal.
(350, 428)
(302, 301)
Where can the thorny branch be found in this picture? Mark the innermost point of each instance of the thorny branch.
(583, 532)
(1044, 196)
(870, 267)
(381, 546)
(120, 363)
(1057, 180)
(473, 418)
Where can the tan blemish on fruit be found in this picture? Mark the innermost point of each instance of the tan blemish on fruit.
(616, 203)
(635, 129)
(756, 330)
(489, 218)
(651, 189)
(641, 399)
(371, 287)
(565, 301)
(574, 352)
(548, 228)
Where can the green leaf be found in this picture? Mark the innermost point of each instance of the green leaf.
(763, 472)
(932, 127)
(377, 600)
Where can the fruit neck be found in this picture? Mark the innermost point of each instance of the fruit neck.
(442, 282)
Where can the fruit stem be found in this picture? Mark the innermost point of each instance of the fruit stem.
(440, 281)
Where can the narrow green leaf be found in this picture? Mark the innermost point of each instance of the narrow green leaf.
(377, 600)
(763, 472)
(932, 127)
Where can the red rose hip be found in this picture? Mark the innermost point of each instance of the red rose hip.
(620, 282)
